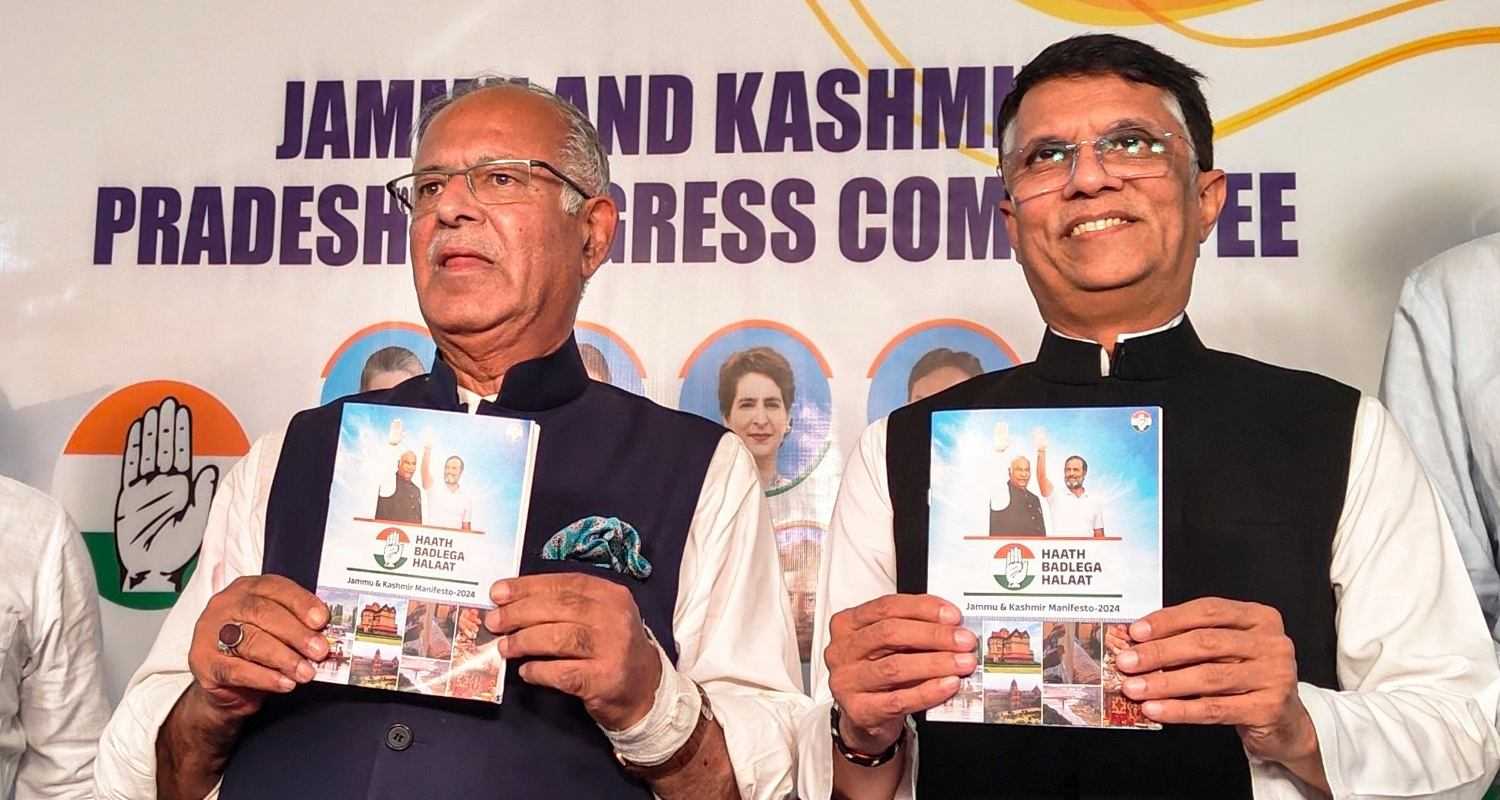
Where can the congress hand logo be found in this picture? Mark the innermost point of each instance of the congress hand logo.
(162, 506)
(1014, 561)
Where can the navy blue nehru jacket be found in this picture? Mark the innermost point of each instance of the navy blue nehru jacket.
(602, 451)
(1255, 462)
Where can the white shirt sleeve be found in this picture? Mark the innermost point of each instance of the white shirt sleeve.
(1420, 684)
(859, 565)
(233, 543)
(733, 625)
(61, 705)
(1416, 713)
(1420, 385)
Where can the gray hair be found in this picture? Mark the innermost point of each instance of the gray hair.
(582, 155)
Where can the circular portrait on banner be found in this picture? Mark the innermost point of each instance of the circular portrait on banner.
(378, 356)
(768, 384)
(926, 359)
(609, 359)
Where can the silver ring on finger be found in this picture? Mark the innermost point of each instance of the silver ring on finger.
(231, 635)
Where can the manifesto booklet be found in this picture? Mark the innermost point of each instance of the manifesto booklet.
(1045, 530)
(427, 510)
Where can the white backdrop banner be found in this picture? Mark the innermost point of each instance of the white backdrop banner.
(194, 210)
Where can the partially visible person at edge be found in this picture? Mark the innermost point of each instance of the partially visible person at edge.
(679, 684)
(52, 703)
(1318, 636)
(1442, 372)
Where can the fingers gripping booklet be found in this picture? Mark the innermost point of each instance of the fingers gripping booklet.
(1045, 530)
(426, 511)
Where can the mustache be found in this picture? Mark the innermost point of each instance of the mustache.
(463, 241)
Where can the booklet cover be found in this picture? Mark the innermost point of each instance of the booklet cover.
(1045, 530)
(427, 510)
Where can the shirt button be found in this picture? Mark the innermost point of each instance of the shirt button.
(398, 737)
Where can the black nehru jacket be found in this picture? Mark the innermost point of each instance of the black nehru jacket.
(402, 505)
(1255, 462)
(602, 451)
(1022, 517)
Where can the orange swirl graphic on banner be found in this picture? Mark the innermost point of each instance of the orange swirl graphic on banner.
(1137, 12)
(1432, 44)
(895, 53)
(1115, 13)
(1378, 14)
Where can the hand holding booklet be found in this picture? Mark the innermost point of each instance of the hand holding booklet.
(1045, 531)
(426, 511)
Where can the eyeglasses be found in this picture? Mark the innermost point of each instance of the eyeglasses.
(1047, 166)
(492, 183)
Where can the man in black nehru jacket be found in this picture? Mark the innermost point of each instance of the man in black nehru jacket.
(1319, 635)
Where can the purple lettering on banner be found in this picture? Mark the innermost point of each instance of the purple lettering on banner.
(385, 222)
(669, 114)
(976, 229)
(383, 117)
(842, 133)
(797, 243)
(891, 109)
(734, 114)
(340, 248)
(461, 85)
(915, 218)
(575, 90)
(620, 115)
(655, 205)
(431, 89)
(252, 229)
(861, 196)
(204, 232)
(291, 121)
(696, 221)
(789, 119)
(114, 214)
(1235, 212)
(295, 222)
(617, 248)
(958, 107)
(1002, 80)
(328, 124)
(1275, 214)
(750, 243)
(161, 207)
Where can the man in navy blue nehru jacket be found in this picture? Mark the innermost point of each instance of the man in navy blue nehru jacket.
(1319, 635)
(683, 684)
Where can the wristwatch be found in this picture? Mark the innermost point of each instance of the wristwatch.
(855, 757)
(684, 754)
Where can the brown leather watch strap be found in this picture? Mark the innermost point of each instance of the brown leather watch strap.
(684, 754)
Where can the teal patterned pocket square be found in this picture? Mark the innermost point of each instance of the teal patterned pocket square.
(603, 542)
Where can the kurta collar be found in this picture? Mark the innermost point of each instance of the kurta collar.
(536, 385)
(1152, 356)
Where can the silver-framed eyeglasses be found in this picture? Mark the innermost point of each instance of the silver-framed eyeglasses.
(495, 182)
(1047, 165)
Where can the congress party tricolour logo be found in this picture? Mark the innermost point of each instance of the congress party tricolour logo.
(138, 475)
(390, 548)
(1014, 562)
